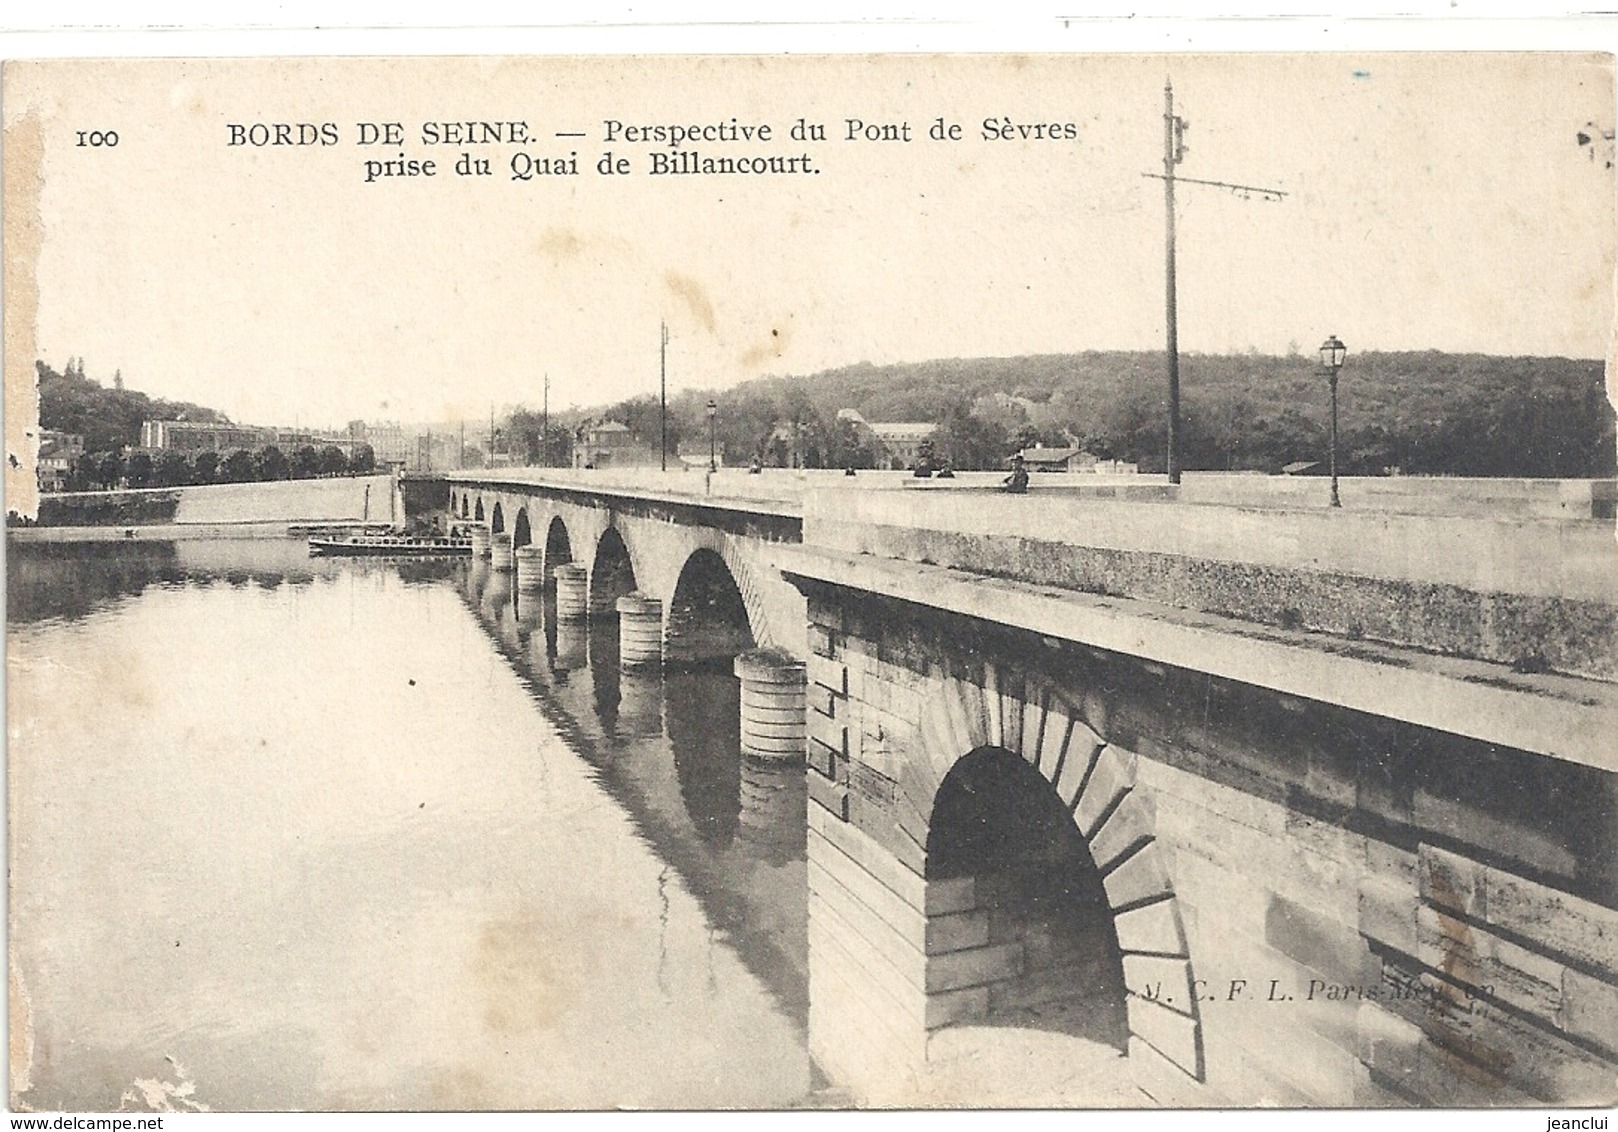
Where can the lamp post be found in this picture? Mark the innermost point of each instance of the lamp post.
(1332, 353)
(713, 412)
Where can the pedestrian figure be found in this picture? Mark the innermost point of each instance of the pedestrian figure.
(1017, 482)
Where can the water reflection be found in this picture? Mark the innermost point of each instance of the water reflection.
(347, 864)
(667, 745)
(74, 579)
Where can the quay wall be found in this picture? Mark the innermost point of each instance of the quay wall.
(343, 499)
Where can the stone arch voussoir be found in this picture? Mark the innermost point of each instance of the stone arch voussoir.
(1061, 735)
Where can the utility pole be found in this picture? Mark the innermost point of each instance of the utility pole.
(663, 394)
(488, 457)
(1173, 154)
(1174, 149)
(545, 426)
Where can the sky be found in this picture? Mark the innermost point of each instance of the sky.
(1432, 202)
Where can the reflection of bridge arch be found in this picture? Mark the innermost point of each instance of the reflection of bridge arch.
(612, 572)
(1115, 877)
(497, 520)
(521, 535)
(704, 728)
(708, 618)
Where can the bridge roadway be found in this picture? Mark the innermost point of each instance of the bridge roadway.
(1286, 805)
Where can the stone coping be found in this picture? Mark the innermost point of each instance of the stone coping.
(1510, 554)
(1559, 716)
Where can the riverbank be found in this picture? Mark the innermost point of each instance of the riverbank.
(226, 507)
(157, 532)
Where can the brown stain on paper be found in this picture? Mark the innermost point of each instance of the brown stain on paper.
(1450, 1004)
(23, 238)
(695, 298)
(528, 973)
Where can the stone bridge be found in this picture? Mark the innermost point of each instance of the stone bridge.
(710, 564)
(1233, 804)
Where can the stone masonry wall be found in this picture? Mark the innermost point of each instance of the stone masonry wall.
(1316, 906)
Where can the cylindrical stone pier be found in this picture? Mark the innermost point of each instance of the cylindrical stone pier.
(480, 539)
(530, 568)
(640, 631)
(571, 592)
(500, 552)
(773, 725)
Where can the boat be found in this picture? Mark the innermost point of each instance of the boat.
(390, 545)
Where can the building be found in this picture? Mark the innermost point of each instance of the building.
(897, 443)
(197, 436)
(609, 444)
(388, 442)
(1042, 459)
(57, 452)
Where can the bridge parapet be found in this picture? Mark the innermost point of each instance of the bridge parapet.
(1538, 594)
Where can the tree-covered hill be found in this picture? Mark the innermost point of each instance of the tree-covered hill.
(108, 419)
(1421, 413)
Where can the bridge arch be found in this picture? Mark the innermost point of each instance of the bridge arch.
(612, 572)
(477, 512)
(1119, 908)
(521, 534)
(497, 519)
(998, 821)
(466, 512)
(558, 547)
(708, 621)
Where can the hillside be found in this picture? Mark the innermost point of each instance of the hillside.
(108, 419)
(1422, 413)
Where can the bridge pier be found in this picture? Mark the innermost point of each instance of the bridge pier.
(480, 539)
(530, 565)
(572, 586)
(772, 705)
(500, 552)
(640, 632)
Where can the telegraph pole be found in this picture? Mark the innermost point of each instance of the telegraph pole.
(545, 426)
(1174, 149)
(1173, 154)
(663, 393)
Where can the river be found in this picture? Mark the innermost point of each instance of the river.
(303, 834)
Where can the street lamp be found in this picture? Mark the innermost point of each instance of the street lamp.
(713, 412)
(1332, 353)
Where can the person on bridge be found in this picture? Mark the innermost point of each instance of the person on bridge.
(1017, 482)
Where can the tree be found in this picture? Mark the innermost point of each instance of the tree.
(850, 446)
(204, 466)
(272, 463)
(363, 461)
(239, 467)
(173, 469)
(332, 461)
(969, 441)
(85, 473)
(109, 469)
(139, 469)
(305, 463)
